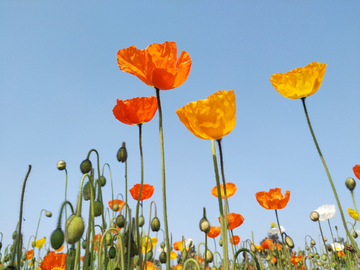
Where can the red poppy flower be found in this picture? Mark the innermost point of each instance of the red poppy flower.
(113, 202)
(54, 261)
(135, 111)
(230, 190)
(356, 170)
(235, 220)
(156, 65)
(146, 193)
(214, 231)
(199, 259)
(273, 199)
(234, 240)
(267, 243)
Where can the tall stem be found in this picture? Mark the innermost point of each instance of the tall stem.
(222, 218)
(330, 180)
(163, 179)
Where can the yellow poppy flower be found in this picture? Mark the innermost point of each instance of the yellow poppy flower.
(173, 255)
(212, 118)
(300, 82)
(352, 213)
(39, 243)
(151, 243)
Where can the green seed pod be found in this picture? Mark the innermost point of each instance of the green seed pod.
(112, 253)
(162, 257)
(209, 256)
(350, 183)
(120, 221)
(87, 191)
(102, 181)
(61, 165)
(85, 166)
(122, 154)
(149, 255)
(57, 239)
(155, 224)
(83, 244)
(74, 229)
(98, 208)
(141, 221)
(108, 239)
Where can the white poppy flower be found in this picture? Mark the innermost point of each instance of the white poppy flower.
(337, 246)
(326, 211)
(275, 230)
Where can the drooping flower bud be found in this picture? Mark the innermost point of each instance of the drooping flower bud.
(350, 183)
(314, 216)
(48, 214)
(289, 241)
(85, 166)
(155, 224)
(87, 191)
(74, 229)
(141, 221)
(98, 208)
(120, 221)
(102, 181)
(57, 239)
(122, 153)
(209, 256)
(162, 257)
(313, 243)
(204, 223)
(61, 165)
(112, 253)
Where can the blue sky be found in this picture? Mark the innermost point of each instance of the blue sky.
(59, 81)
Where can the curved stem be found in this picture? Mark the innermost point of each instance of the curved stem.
(330, 180)
(163, 179)
(252, 255)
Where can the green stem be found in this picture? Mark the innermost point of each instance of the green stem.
(322, 235)
(163, 179)
(222, 218)
(330, 180)
(66, 180)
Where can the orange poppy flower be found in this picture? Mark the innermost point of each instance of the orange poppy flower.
(234, 240)
(212, 118)
(113, 202)
(54, 261)
(60, 248)
(273, 199)
(214, 231)
(235, 220)
(300, 82)
(146, 193)
(278, 246)
(98, 238)
(82, 258)
(29, 254)
(150, 266)
(178, 267)
(199, 259)
(156, 65)
(295, 259)
(356, 170)
(341, 253)
(267, 243)
(177, 245)
(135, 111)
(230, 190)
(273, 260)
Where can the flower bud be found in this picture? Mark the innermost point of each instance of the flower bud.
(209, 256)
(85, 166)
(87, 191)
(61, 165)
(108, 239)
(354, 234)
(112, 253)
(155, 224)
(313, 243)
(221, 242)
(350, 183)
(289, 241)
(116, 207)
(57, 239)
(149, 255)
(48, 214)
(141, 221)
(120, 221)
(122, 153)
(252, 248)
(98, 208)
(83, 244)
(102, 181)
(162, 245)
(74, 229)
(314, 216)
(325, 239)
(162, 257)
(204, 223)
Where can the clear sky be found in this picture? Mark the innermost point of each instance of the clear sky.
(59, 81)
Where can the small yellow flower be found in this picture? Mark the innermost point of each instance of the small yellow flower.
(39, 243)
(173, 255)
(352, 213)
(300, 82)
(151, 243)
